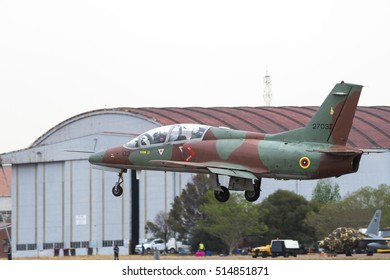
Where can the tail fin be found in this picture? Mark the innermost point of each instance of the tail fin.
(333, 120)
(373, 227)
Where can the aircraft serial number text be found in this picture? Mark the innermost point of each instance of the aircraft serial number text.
(321, 126)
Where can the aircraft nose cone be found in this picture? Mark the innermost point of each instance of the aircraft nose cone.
(96, 157)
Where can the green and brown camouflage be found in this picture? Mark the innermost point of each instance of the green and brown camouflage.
(342, 240)
(315, 151)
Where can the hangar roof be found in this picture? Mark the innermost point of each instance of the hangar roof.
(371, 126)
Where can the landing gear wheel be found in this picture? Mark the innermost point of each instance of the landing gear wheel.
(222, 196)
(117, 190)
(252, 196)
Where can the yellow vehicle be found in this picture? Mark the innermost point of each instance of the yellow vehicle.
(278, 247)
(383, 251)
(263, 251)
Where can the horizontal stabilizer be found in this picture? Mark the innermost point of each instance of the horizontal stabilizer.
(373, 151)
(339, 151)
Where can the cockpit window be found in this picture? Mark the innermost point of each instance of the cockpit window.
(132, 144)
(181, 132)
(170, 133)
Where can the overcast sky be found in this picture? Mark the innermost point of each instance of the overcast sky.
(62, 58)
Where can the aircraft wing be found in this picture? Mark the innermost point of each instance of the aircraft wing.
(221, 168)
(376, 239)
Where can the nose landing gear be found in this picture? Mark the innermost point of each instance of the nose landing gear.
(117, 190)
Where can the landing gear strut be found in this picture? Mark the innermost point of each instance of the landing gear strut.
(117, 190)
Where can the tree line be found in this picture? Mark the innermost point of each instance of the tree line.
(197, 216)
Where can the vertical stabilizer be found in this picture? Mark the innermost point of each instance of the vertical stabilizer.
(373, 227)
(332, 122)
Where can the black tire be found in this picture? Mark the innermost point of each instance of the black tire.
(117, 191)
(264, 254)
(252, 196)
(222, 196)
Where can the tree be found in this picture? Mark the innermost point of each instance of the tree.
(325, 192)
(230, 221)
(355, 210)
(183, 218)
(160, 228)
(369, 199)
(285, 213)
(185, 212)
(212, 242)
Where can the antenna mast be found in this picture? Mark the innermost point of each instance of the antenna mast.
(267, 96)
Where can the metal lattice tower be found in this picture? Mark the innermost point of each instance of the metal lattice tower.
(267, 96)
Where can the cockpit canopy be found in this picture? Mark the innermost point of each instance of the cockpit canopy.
(169, 133)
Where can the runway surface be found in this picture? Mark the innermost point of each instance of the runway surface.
(233, 257)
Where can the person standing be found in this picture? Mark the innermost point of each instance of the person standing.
(201, 247)
(9, 253)
(116, 252)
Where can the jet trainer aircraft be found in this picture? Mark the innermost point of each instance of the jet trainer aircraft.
(315, 151)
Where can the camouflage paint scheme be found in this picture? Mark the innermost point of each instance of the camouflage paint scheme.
(346, 240)
(315, 151)
(342, 240)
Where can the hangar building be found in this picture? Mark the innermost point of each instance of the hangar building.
(59, 201)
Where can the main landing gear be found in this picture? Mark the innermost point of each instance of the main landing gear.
(222, 195)
(253, 195)
(117, 190)
(251, 188)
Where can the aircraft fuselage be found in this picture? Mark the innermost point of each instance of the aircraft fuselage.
(249, 152)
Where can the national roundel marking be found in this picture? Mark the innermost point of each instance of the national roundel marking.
(304, 162)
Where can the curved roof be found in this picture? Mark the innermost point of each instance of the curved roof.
(371, 126)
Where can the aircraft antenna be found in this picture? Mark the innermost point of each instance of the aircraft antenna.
(267, 95)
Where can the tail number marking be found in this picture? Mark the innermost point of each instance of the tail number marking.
(321, 126)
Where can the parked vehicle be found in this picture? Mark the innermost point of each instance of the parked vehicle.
(284, 248)
(174, 246)
(278, 247)
(150, 246)
(263, 251)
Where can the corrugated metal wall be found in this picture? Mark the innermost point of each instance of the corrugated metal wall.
(59, 201)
